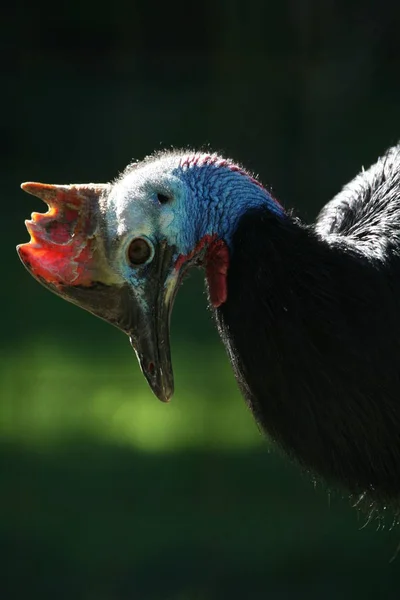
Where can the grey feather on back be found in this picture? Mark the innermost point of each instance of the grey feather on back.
(366, 213)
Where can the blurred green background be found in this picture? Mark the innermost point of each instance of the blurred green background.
(106, 494)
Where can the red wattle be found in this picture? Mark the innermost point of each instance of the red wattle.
(216, 264)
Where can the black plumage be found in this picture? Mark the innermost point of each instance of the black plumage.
(312, 323)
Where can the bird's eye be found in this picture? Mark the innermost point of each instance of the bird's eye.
(162, 198)
(139, 251)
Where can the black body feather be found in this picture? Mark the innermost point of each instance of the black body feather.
(312, 326)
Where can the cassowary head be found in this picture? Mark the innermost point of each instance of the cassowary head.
(120, 250)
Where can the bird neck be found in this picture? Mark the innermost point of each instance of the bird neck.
(220, 193)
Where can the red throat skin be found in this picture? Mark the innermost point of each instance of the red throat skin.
(61, 248)
(216, 263)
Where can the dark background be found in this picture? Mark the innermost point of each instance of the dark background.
(105, 493)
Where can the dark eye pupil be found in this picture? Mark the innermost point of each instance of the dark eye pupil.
(139, 251)
(162, 198)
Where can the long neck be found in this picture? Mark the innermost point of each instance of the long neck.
(313, 335)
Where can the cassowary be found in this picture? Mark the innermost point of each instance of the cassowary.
(309, 314)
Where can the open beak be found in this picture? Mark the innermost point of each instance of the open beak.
(70, 255)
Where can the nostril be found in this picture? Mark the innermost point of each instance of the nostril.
(151, 368)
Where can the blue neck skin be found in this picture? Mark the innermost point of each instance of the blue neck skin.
(217, 196)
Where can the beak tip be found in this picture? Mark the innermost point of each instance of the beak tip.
(167, 397)
(164, 394)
